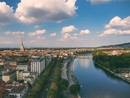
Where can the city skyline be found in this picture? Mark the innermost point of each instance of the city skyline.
(61, 23)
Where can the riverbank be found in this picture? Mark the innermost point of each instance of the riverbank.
(113, 73)
(96, 82)
(72, 78)
(67, 73)
(64, 70)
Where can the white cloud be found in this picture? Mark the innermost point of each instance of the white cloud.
(37, 26)
(11, 38)
(40, 38)
(6, 14)
(70, 32)
(117, 22)
(82, 32)
(75, 34)
(37, 32)
(30, 11)
(68, 29)
(115, 32)
(98, 1)
(117, 26)
(53, 34)
(66, 36)
(67, 32)
(6, 42)
(14, 33)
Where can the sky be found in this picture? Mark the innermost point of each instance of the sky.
(64, 23)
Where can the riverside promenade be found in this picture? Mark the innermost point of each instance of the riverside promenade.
(64, 70)
(67, 73)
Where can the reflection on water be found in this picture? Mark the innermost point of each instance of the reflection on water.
(107, 73)
(84, 63)
(97, 83)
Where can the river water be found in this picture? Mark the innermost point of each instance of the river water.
(97, 83)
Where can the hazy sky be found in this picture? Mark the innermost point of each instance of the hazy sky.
(64, 23)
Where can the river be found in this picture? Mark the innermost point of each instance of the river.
(97, 83)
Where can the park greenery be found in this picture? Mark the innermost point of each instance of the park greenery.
(74, 89)
(112, 62)
(64, 84)
(40, 84)
(54, 90)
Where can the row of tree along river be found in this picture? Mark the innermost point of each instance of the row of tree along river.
(98, 83)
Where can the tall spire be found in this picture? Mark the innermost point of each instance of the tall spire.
(22, 46)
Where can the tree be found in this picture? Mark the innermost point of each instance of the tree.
(75, 88)
(64, 84)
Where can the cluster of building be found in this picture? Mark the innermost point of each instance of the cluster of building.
(114, 51)
(17, 72)
(20, 69)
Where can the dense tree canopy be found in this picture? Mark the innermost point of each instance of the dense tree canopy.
(112, 61)
(75, 88)
(41, 82)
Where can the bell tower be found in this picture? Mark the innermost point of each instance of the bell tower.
(22, 46)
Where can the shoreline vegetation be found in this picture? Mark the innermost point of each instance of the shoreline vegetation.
(72, 89)
(117, 65)
(73, 79)
(113, 73)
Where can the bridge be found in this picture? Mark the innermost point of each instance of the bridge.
(84, 56)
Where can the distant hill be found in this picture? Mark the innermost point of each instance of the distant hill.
(124, 45)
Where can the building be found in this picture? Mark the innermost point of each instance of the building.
(48, 59)
(38, 64)
(23, 67)
(9, 76)
(31, 78)
(13, 63)
(3, 62)
(4, 93)
(17, 90)
(27, 76)
(22, 47)
(19, 74)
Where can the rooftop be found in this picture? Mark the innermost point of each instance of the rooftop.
(10, 72)
(41, 58)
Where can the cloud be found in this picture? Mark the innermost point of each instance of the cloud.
(36, 27)
(11, 38)
(6, 42)
(68, 29)
(40, 38)
(37, 32)
(82, 32)
(66, 36)
(98, 1)
(115, 32)
(53, 34)
(67, 32)
(6, 14)
(31, 11)
(117, 22)
(117, 26)
(14, 33)
(70, 32)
